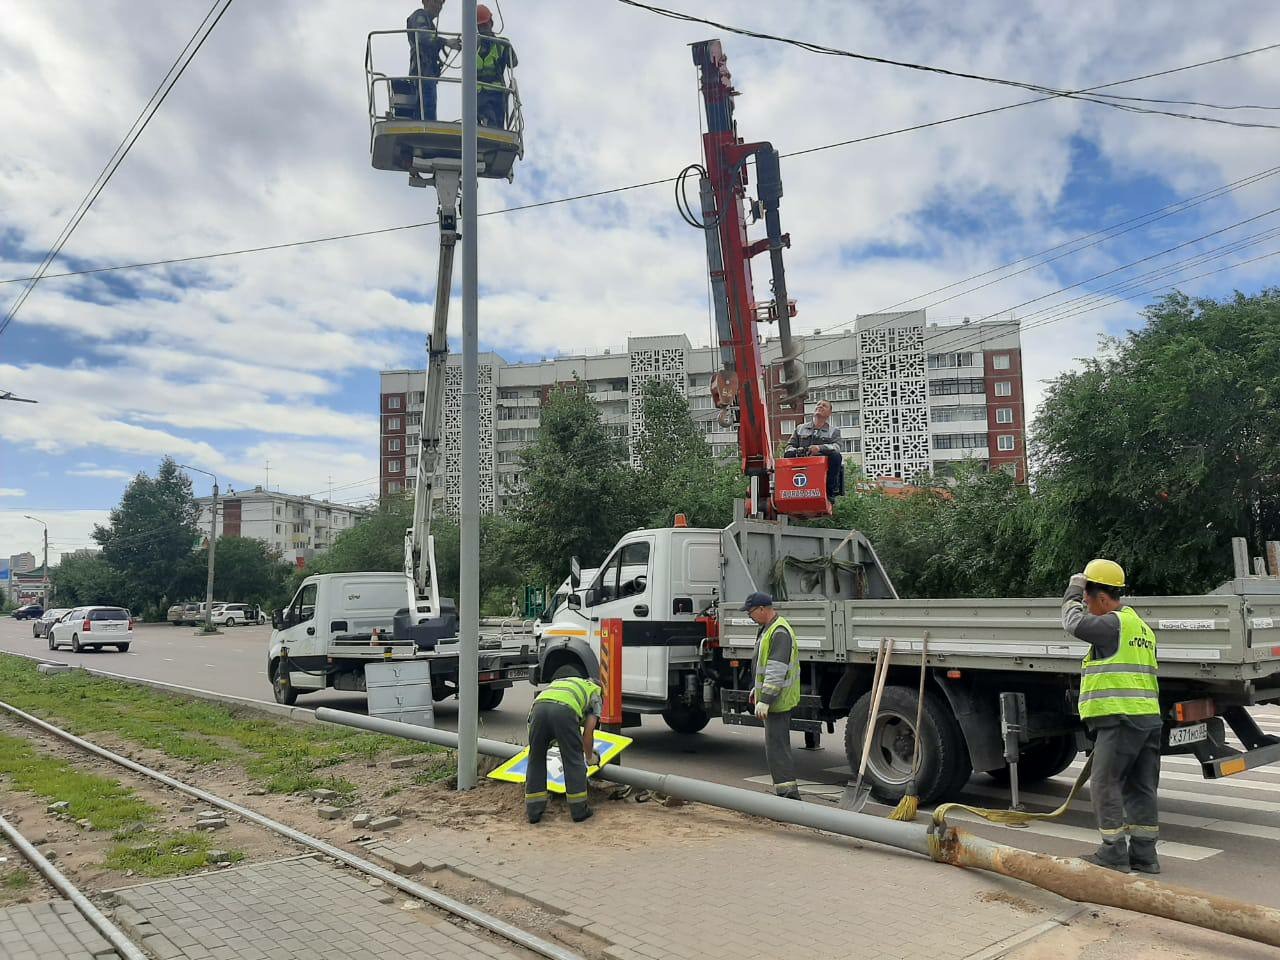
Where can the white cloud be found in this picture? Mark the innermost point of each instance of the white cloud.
(12, 492)
(106, 473)
(68, 530)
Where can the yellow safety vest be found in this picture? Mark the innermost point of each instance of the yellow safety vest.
(789, 693)
(1123, 684)
(573, 692)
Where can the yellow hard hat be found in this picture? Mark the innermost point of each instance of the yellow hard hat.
(1107, 572)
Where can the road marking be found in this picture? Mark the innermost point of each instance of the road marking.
(1227, 783)
(1206, 799)
(167, 659)
(211, 666)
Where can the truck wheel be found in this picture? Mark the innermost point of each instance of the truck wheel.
(569, 670)
(683, 718)
(281, 688)
(944, 758)
(1040, 761)
(490, 697)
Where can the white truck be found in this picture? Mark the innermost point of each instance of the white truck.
(687, 652)
(338, 622)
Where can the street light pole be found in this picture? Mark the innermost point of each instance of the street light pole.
(213, 539)
(46, 555)
(469, 534)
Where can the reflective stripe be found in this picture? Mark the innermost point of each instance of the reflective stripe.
(1112, 834)
(535, 796)
(1107, 666)
(1120, 694)
(1145, 832)
(575, 797)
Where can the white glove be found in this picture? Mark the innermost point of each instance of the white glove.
(1077, 580)
(762, 710)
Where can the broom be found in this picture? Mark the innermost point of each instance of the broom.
(910, 802)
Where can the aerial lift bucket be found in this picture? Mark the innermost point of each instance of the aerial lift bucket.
(800, 487)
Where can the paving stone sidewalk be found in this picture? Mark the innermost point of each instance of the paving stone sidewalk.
(686, 891)
(302, 909)
(50, 931)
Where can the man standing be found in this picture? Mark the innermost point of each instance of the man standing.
(1120, 704)
(565, 713)
(818, 437)
(493, 56)
(426, 58)
(777, 689)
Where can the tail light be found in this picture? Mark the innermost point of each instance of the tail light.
(131, 623)
(85, 626)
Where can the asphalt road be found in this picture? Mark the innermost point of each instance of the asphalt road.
(1222, 836)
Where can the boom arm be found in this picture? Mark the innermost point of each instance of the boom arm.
(740, 386)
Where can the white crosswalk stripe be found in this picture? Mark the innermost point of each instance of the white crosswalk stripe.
(1233, 784)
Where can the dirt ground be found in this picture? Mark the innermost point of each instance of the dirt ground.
(1105, 934)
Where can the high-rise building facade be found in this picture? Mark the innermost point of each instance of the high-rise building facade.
(911, 399)
(298, 527)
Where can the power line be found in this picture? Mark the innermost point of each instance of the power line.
(171, 77)
(811, 47)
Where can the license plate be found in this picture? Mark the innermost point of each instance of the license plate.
(518, 673)
(1193, 733)
(111, 627)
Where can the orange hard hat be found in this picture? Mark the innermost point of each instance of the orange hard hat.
(483, 15)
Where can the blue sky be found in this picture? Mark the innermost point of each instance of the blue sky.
(231, 362)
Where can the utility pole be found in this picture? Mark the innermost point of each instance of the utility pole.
(268, 487)
(469, 535)
(46, 556)
(213, 539)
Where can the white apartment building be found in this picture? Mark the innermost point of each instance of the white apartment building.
(298, 527)
(910, 398)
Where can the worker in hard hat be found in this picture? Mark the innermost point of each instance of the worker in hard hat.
(493, 56)
(1120, 705)
(819, 437)
(776, 691)
(566, 713)
(426, 59)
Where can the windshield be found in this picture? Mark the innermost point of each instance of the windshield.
(107, 613)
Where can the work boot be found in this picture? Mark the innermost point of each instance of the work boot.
(1113, 856)
(581, 813)
(534, 811)
(1142, 856)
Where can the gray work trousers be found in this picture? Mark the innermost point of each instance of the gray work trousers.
(777, 753)
(1123, 785)
(551, 722)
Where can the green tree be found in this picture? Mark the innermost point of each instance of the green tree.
(149, 539)
(578, 489)
(246, 570)
(85, 578)
(1164, 446)
(677, 472)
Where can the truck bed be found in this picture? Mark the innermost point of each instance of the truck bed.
(1229, 636)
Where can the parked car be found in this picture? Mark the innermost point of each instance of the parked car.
(175, 614)
(41, 627)
(29, 611)
(93, 628)
(234, 614)
(192, 613)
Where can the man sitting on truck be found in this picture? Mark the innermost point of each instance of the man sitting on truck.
(776, 691)
(818, 437)
(1120, 704)
(565, 713)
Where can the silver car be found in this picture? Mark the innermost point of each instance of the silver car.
(41, 627)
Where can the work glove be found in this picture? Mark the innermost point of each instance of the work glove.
(1077, 580)
(594, 759)
(762, 711)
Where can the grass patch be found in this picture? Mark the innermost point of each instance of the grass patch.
(16, 880)
(436, 770)
(164, 855)
(282, 757)
(106, 803)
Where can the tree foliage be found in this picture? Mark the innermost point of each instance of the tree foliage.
(246, 570)
(83, 578)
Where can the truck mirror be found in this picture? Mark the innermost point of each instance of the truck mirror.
(574, 601)
(277, 621)
(575, 573)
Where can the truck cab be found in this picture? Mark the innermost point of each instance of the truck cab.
(656, 581)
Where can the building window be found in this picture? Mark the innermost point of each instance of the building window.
(962, 412)
(417, 398)
(393, 424)
(1000, 361)
(959, 385)
(393, 403)
(1004, 388)
(945, 361)
(1004, 415)
(393, 445)
(846, 418)
(788, 427)
(393, 466)
(1004, 442)
(277, 528)
(959, 441)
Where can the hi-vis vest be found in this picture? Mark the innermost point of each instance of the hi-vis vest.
(789, 692)
(1123, 684)
(573, 692)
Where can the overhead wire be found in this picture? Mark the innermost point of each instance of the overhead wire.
(171, 78)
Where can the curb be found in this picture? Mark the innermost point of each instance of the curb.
(302, 714)
(1003, 947)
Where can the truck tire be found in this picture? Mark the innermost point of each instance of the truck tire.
(490, 697)
(944, 757)
(1040, 761)
(281, 689)
(683, 718)
(569, 670)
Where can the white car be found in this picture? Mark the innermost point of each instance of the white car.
(233, 614)
(92, 628)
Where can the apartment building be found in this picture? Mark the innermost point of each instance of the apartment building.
(298, 527)
(911, 398)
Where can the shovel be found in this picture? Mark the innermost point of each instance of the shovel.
(855, 795)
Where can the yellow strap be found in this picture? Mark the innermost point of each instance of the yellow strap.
(1015, 817)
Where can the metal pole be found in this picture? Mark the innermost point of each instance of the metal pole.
(45, 598)
(469, 535)
(213, 542)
